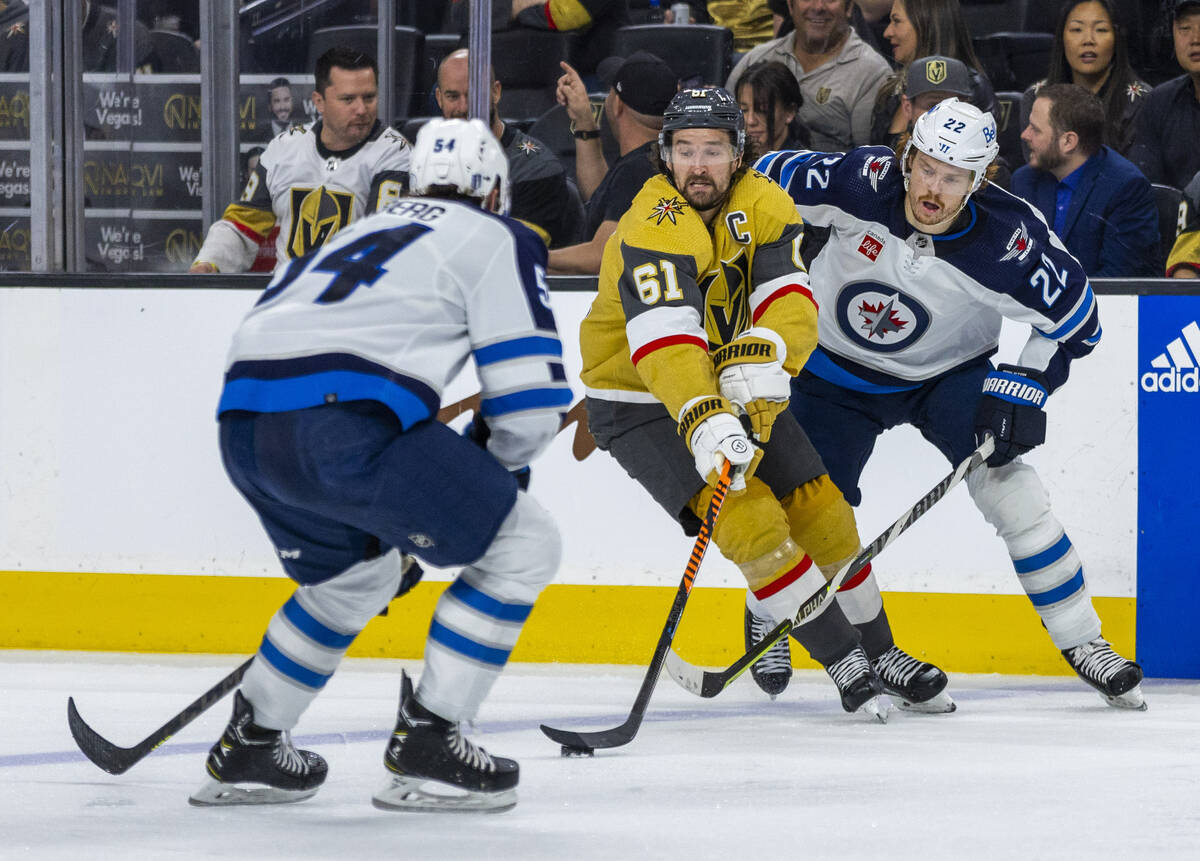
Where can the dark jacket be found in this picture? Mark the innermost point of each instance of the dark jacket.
(1111, 225)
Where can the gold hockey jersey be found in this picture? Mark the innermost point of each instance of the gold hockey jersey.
(310, 192)
(671, 290)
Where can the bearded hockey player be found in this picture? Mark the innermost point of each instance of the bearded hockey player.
(705, 313)
(313, 180)
(924, 259)
(329, 430)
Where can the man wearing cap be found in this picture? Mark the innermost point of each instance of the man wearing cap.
(1098, 203)
(839, 74)
(640, 88)
(1164, 141)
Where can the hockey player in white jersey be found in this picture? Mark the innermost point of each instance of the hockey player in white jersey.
(329, 430)
(312, 180)
(924, 258)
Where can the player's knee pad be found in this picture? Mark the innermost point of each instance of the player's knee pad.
(1014, 501)
(752, 527)
(523, 557)
(822, 522)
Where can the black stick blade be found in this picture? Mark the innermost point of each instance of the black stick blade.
(101, 751)
(600, 739)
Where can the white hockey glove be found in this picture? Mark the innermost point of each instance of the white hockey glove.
(714, 435)
(751, 374)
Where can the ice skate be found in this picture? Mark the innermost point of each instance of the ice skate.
(859, 685)
(773, 670)
(433, 768)
(1117, 679)
(917, 685)
(253, 765)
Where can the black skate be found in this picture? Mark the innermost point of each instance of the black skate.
(918, 685)
(434, 768)
(858, 684)
(1118, 680)
(773, 670)
(253, 765)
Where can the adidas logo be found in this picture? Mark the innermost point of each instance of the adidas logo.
(1177, 369)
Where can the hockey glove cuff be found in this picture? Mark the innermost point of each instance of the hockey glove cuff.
(714, 434)
(1012, 409)
(751, 374)
(478, 432)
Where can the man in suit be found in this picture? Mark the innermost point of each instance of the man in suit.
(1099, 204)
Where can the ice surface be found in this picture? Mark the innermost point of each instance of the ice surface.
(1027, 767)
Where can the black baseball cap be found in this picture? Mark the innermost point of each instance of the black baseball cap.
(642, 80)
(938, 74)
(1181, 5)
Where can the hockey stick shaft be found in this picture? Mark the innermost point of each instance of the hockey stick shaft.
(706, 683)
(624, 733)
(118, 760)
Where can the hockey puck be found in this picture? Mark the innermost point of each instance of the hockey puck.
(569, 750)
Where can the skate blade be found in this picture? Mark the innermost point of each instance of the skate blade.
(1131, 700)
(876, 707)
(940, 703)
(214, 793)
(415, 794)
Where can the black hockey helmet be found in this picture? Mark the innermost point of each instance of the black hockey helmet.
(704, 108)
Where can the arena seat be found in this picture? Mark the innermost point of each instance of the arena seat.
(697, 53)
(1014, 60)
(409, 53)
(437, 47)
(526, 64)
(176, 52)
(1008, 127)
(984, 17)
(1168, 199)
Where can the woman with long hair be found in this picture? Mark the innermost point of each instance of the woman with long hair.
(770, 98)
(925, 28)
(1090, 50)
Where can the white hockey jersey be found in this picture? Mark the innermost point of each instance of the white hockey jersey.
(311, 192)
(899, 307)
(391, 310)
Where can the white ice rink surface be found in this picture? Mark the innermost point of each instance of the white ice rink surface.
(1027, 768)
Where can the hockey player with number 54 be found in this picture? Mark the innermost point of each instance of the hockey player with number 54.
(924, 259)
(329, 431)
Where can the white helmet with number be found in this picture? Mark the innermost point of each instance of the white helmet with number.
(955, 133)
(461, 154)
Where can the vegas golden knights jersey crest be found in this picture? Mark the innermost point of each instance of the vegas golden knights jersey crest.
(317, 214)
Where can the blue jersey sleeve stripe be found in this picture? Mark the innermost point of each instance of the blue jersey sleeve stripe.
(276, 396)
(289, 668)
(303, 622)
(764, 164)
(486, 604)
(1059, 593)
(456, 642)
(529, 399)
(1076, 319)
(790, 167)
(1044, 559)
(534, 345)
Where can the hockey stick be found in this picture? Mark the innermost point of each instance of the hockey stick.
(118, 760)
(709, 683)
(623, 734)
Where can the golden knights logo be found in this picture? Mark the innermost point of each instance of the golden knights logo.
(317, 214)
(727, 299)
(666, 208)
(935, 71)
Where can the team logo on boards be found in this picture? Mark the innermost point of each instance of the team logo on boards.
(1177, 369)
(1019, 245)
(880, 318)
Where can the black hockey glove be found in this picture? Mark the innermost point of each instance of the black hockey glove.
(1011, 409)
(478, 432)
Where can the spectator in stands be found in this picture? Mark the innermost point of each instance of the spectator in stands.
(318, 178)
(1184, 260)
(770, 98)
(640, 88)
(536, 179)
(1168, 126)
(925, 28)
(101, 31)
(14, 36)
(1090, 50)
(600, 18)
(1098, 203)
(279, 92)
(838, 73)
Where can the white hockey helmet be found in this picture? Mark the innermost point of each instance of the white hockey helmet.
(956, 133)
(462, 154)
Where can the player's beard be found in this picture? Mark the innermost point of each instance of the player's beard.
(702, 192)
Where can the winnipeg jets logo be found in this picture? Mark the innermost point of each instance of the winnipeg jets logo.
(666, 208)
(875, 170)
(529, 147)
(880, 319)
(1019, 245)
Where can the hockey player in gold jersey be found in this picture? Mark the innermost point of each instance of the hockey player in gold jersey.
(703, 316)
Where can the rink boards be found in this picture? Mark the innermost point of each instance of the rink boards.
(119, 530)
